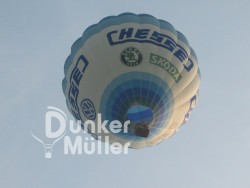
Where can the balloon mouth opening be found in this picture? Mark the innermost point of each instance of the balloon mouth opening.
(140, 118)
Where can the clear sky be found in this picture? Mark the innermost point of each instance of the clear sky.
(211, 151)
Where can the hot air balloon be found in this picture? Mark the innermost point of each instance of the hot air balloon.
(132, 67)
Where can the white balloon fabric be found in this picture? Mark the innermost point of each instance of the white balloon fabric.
(132, 67)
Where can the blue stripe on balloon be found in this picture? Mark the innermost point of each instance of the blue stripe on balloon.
(143, 89)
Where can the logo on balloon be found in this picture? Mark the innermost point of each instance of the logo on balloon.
(88, 109)
(131, 56)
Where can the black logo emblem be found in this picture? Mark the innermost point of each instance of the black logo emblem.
(88, 109)
(131, 56)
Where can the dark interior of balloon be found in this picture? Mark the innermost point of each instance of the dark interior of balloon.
(140, 117)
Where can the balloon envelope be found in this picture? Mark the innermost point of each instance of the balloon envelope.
(132, 67)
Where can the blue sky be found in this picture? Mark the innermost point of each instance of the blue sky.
(211, 150)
